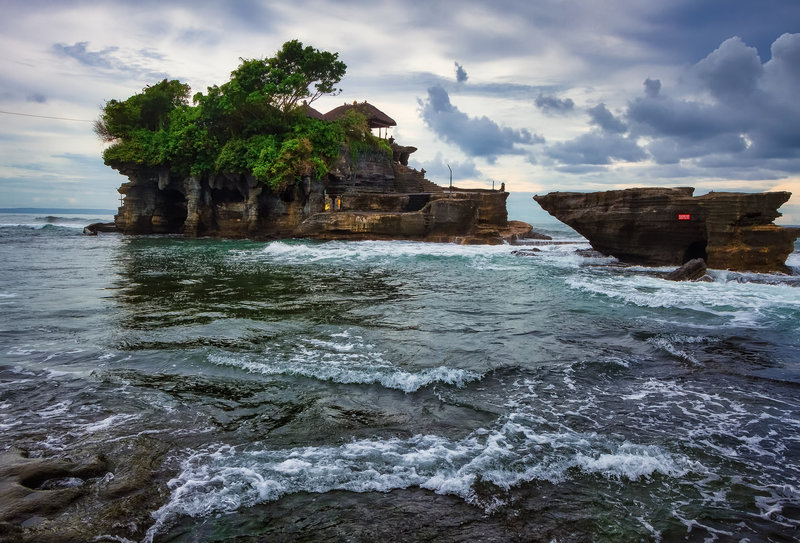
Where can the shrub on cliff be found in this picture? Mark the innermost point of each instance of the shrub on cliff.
(254, 124)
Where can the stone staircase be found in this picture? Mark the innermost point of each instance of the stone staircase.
(410, 181)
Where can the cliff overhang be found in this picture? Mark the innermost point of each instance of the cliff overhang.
(671, 226)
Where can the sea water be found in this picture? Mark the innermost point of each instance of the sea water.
(298, 390)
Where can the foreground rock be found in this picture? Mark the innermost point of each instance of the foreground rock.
(670, 226)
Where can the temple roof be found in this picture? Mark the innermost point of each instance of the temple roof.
(375, 117)
(313, 113)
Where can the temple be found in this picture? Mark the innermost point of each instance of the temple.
(365, 195)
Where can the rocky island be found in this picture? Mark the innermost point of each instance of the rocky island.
(251, 158)
(670, 226)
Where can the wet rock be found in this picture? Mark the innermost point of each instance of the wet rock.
(96, 227)
(52, 499)
(691, 271)
(588, 253)
(526, 252)
(670, 226)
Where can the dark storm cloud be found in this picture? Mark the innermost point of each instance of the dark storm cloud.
(461, 73)
(602, 117)
(551, 104)
(476, 136)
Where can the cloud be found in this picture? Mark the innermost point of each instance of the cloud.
(436, 169)
(461, 73)
(750, 115)
(551, 104)
(476, 136)
(732, 71)
(596, 148)
(652, 87)
(36, 97)
(734, 117)
(80, 52)
(140, 63)
(687, 119)
(602, 117)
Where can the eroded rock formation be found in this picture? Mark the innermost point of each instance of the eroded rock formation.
(670, 226)
(370, 196)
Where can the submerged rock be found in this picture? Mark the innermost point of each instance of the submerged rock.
(670, 226)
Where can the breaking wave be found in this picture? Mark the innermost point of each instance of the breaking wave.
(223, 478)
(342, 359)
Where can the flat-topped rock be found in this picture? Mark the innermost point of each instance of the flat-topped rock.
(669, 226)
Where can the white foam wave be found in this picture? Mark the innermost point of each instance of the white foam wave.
(733, 302)
(223, 478)
(342, 358)
(359, 251)
(671, 343)
(105, 424)
(54, 410)
(338, 372)
(715, 422)
(793, 260)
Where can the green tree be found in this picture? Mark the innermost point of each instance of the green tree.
(149, 110)
(255, 124)
(293, 71)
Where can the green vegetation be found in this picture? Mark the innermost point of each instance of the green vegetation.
(254, 124)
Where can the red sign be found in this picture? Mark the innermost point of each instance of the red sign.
(684, 217)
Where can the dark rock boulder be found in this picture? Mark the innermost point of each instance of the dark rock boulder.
(669, 226)
(691, 271)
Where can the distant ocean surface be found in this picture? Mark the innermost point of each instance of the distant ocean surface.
(220, 390)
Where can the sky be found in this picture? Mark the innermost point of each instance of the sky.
(543, 95)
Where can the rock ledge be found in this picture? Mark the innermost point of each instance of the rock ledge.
(670, 226)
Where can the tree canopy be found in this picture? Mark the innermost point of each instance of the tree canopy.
(254, 124)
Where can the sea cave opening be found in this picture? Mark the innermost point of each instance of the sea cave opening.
(696, 249)
(172, 208)
(226, 195)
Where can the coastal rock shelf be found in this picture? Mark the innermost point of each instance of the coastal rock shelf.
(670, 226)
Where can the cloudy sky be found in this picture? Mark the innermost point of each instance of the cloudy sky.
(543, 95)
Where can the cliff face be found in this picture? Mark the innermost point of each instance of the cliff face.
(372, 197)
(669, 226)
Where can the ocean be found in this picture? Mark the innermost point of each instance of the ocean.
(165, 389)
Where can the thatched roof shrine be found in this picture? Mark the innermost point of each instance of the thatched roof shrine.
(313, 113)
(375, 117)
